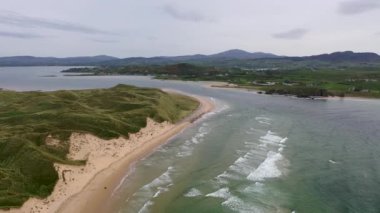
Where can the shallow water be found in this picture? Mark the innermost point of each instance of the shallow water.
(255, 153)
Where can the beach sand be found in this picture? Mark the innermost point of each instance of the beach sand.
(84, 188)
(229, 86)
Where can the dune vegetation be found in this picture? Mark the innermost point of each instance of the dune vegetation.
(28, 119)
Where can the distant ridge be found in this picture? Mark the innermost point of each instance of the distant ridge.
(346, 56)
(52, 61)
(241, 54)
(235, 56)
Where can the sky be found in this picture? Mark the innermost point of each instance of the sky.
(132, 28)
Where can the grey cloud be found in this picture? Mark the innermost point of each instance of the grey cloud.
(293, 34)
(19, 35)
(354, 7)
(15, 19)
(183, 15)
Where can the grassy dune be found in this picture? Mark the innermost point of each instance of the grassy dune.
(28, 118)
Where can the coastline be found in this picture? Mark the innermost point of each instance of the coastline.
(228, 86)
(225, 85)
(84, 188)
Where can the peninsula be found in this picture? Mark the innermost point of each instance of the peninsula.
(81, 139)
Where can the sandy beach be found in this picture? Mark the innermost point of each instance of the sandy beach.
(84, 188)
(229, 86)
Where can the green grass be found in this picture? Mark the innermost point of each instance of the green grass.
(27, 118)
(300, 78)
(355, 82)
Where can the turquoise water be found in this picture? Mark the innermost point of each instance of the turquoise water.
(255, 153)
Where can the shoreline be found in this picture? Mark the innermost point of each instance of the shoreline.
(113, 176)
(228, 86)
(85, 188)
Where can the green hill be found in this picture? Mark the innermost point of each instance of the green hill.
(27, 118)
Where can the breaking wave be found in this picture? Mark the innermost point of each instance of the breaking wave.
(193, 193)
(268, 168)
(263, 160)
(151, 190)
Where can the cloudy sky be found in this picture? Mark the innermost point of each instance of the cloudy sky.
(127, 28)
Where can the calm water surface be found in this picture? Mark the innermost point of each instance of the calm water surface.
(255, 153)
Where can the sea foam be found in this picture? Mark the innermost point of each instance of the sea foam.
(145, 208)
(185, 150)
(238, 205)
(233, 202)
(263, 160)
(221, 193)
(221, 107)
(268, 168)
(266, 150)
(193, 193)
(272, 138)
(143, 197)
(263, 120)
(163, 179)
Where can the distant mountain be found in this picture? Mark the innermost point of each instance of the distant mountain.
(52, 61)
(231, 58)
(113, 61)
(347, 56)
(241, 54)
(234, 54)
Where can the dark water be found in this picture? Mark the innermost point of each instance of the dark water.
(256, 153)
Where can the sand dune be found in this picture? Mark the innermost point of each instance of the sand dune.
(83, 188)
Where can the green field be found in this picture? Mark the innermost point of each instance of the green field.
(303, 80)
(323, 82)
(27, 118)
